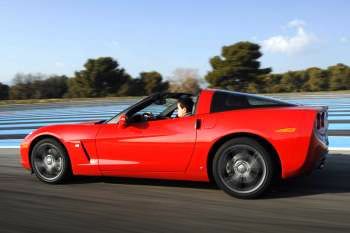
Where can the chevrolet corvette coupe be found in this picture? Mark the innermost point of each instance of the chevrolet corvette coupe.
(242, 142)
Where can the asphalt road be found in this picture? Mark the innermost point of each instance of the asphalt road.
(317, 203)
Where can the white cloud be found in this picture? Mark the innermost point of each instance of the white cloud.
(290, 44)
(296, 23)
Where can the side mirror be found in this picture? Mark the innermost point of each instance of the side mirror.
(123, 122)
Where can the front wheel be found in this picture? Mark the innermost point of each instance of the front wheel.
(243, 168)
(50, 162)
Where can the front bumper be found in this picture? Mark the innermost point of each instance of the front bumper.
(24, 150)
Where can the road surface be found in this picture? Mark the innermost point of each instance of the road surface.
(317, 203)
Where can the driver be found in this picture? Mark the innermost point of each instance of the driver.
(184, 107)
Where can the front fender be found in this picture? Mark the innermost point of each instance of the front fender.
(78, 140)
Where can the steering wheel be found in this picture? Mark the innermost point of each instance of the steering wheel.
(148, 115)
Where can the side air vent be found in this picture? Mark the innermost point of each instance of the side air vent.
(85, 151)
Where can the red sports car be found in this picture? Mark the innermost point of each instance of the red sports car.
(240, 141)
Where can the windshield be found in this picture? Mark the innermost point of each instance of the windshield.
(158, 109)
(115, 119)
(159, 104)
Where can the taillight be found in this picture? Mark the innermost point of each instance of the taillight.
(321, 125)
(318, 123)
(322, 119)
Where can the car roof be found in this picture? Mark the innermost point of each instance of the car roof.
(250, 94)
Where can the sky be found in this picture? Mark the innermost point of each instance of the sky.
(57, 37)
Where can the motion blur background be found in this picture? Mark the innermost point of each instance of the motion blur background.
(64, 51)
(118, 48)
(17, 120)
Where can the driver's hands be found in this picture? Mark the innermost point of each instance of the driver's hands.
(148, 115)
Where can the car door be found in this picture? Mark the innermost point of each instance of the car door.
(152, 146)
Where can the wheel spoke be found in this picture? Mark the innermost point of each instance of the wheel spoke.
(40, 165)
(54, 170)
(252, 177)
(48, 161)
(41, 152)
(255, 165)
(54, 152)
(243, 168)
(242, 183)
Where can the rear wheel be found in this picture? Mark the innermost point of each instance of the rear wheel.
(50, 161)
(243, 168)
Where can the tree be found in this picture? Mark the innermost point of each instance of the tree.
(153, 82)
(339, 77)
(147, 83)
(38, 86)
(25, 86)
(185, 80)
(4, 91)
(237, 68)
(54, 87)
(317, 80)
(101, 77)
(133, 87)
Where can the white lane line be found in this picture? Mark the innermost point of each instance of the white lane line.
(339, 148)
(9, 147)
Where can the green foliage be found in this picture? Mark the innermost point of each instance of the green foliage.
(292, 81)
(237, 68)
(23, 87)
(146, 84)
(54, 87)
(38, 86)
(339, 77)
(133, 87)
(153, 82)
(333, 78)
(317, 79)
(101, 77)
(4, 91)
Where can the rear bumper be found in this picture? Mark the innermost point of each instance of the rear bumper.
(317, 154)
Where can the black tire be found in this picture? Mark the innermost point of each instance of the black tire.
(243, 168)
(50, 162)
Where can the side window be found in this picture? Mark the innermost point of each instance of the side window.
(226, 101)
(223, 101)
(256, 101)
(156, 108)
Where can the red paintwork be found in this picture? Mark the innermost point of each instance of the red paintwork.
(174, 149)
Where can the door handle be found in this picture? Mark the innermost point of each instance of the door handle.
(198, 124)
